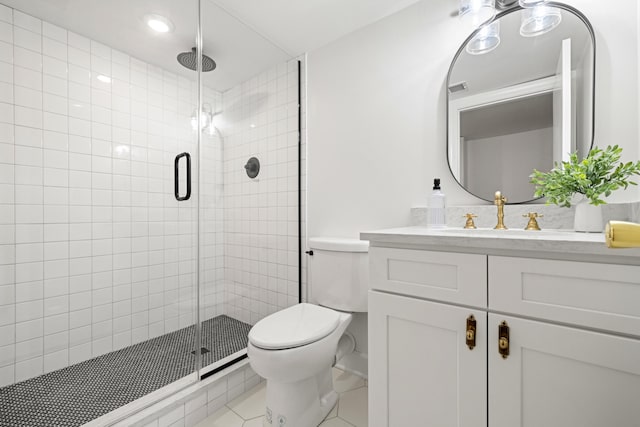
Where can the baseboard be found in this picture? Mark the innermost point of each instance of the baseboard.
(357, 363)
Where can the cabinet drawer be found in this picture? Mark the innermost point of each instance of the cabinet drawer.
(602, 296)
(444, 276)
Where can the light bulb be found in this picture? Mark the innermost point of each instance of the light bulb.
(486, 40)
(539, 20)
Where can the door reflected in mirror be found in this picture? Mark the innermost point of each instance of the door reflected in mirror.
(524, 105)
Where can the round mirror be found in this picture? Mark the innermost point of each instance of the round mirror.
(521, 102)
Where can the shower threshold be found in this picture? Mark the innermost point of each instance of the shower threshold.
(85, 391)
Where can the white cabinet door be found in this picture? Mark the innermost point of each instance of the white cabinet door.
(558, 376)
(421, 372)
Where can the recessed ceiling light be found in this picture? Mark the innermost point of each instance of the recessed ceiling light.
(103, 78)
(158, 23)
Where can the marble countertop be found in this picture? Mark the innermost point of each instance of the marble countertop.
(550, 243)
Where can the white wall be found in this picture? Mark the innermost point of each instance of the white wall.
(376, 123)
(491, 170)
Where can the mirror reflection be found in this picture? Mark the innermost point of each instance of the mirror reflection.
(523, 104)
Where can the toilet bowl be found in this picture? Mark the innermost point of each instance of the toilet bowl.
(299, 379)
(294, 349)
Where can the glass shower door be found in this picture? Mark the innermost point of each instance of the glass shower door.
(98, 279)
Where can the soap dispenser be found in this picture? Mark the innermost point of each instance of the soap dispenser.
(437, 206)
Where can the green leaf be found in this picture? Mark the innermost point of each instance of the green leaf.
(598, 174)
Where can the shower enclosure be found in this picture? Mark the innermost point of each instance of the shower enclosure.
(136, 249)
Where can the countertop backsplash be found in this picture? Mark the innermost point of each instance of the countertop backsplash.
(554, 217)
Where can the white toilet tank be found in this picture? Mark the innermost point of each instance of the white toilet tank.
(339, 273)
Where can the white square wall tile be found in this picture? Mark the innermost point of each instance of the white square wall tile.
(55, 122)
(26, 97)
(26, 350)
(6, 72)
(6, 52)
(27, 39)
(79, 75)
(6, 14)
(27, 77)
(55, 85)
(54, 67)
(6, 93)
(6, 32)
(28, 117)
(7, 294)
(56, 342)
(55, 49)
(7, 373)
(29, 252)
(55, 361)
(79, 42)
(79, 57)
(29, 310)
(55, 305)
(55, 104)
(27, 58)
(54, 32)
(100, 50)
(29, 369)
(29, 330)
(29, 233)
(27, 22)
(7, 314)
(28, 136)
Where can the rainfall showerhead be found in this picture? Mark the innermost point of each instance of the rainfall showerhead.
(188, 60)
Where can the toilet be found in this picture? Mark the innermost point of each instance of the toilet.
(294, 349)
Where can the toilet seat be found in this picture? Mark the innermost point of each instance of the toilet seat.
(295, 326)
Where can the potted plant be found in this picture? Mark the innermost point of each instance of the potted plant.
(596, 176)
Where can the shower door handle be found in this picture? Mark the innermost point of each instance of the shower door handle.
(176, 184)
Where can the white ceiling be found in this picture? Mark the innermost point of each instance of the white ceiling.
(244, 37)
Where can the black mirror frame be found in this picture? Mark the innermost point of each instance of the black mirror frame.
(513, 9)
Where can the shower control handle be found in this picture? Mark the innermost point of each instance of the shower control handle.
(176, 184)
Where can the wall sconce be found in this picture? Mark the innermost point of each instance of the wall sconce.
(206, 119)
(537, 19)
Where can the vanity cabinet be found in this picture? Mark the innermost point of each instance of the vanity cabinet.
(572, 329)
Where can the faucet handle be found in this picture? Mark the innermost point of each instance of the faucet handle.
(533, 223)
(470, 223)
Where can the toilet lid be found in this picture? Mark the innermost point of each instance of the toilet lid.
(294, 327)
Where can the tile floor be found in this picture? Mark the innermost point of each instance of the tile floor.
(247, 410)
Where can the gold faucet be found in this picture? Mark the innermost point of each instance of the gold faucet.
(499, 200)
(469, 224)
(533, 223)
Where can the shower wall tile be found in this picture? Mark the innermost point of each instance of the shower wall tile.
(261, 214)
(95, 252)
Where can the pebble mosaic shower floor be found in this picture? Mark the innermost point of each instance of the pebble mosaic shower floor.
(80, 393)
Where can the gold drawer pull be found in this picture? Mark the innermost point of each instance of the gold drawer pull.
(503, 339)
(471, 332)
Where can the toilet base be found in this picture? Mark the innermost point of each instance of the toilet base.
(304, 403)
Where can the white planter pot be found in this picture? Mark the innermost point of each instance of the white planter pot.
(588, 218)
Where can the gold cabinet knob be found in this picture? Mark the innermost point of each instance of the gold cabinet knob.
(470, 335)
(503, 343)
(533, 223)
